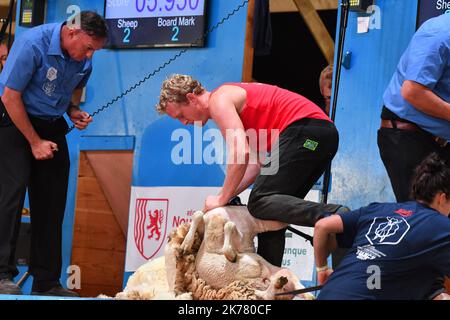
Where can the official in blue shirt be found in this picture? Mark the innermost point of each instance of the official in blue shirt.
(416, 113)
(397, 250)
(42, 80)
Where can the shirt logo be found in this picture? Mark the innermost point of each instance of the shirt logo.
(387, 230)
(52, 74)
(368, 252)
(404, 212)
(49, 88)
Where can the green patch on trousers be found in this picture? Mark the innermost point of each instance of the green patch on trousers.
(310, 144)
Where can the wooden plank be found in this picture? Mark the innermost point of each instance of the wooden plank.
(113, 170)
(94, 205)
(317, 28)
(325, 4)
(98, 231)
(99, 245)
(100, 267)
(289, 5)
(247, 69)
(84, 169)
(90, 189)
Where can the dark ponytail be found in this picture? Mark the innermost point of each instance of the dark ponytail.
(431, 177)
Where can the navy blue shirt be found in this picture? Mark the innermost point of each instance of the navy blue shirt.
(425, 61)
(406, 244)
(46, 77)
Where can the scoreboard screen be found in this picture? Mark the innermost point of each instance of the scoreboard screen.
(155, 23)
(431, 8)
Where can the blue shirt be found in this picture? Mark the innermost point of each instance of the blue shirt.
(46, 77)
(409, 244)
(425, 61)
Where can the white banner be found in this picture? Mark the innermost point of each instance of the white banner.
(155, 211)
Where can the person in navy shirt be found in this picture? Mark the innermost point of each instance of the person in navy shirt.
(397, 250)
(42, 80)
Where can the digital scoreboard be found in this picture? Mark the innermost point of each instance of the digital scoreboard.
(431, 8)
(155, 23)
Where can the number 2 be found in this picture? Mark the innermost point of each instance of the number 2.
(127, 32)
(175, 35)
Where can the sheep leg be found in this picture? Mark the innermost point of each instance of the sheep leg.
(228, 248)
(189, 239)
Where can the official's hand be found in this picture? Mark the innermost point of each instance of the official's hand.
(80, 119)
(323, 276)
(212, 202)
(44, 149)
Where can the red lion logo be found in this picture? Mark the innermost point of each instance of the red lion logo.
(155, 221)
(150, 225)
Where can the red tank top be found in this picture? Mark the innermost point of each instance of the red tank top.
(271, 107)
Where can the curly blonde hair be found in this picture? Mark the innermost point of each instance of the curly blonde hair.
(175, 88)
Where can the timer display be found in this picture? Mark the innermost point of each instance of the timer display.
(155, 23)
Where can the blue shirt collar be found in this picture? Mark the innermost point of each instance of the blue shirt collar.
(54, 48)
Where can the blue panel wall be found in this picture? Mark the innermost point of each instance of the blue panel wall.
(117, 70)
(359, 176)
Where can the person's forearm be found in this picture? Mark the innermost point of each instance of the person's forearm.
(250, 175)
(16, 111)
(235, 173)
(425, 100)
(75, 101)
(321, 245)
(76, 96)
(237, 162)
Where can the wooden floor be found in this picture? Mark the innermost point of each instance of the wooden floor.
(99, 242)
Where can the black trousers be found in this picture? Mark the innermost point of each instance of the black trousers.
(47, 183)
(401, 152)
(280, 196)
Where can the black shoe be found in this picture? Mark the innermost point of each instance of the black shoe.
(58, 291)
(7, 286)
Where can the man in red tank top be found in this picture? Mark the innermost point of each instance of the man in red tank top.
(297, 135)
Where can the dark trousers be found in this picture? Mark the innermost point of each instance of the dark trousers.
(401, 152)
(47, 182)
(280, 196)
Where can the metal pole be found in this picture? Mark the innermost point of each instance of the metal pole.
(342, 28)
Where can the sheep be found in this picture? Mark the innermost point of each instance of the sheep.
(227, 253)
(149, 281)
(213, 258)
(237, 219)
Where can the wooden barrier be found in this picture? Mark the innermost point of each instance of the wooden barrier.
(99, 242)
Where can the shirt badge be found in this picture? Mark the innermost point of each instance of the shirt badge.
(52, 74)
(387, 230)
(49, 88)
(368, 252)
